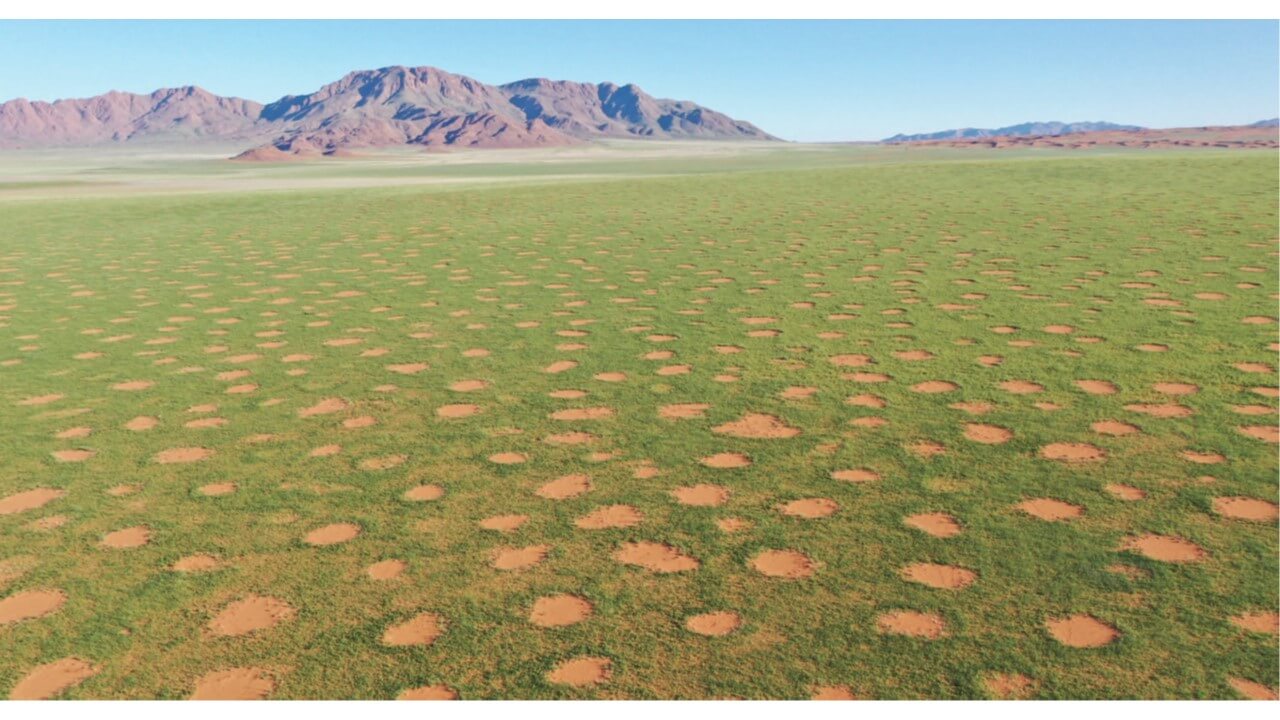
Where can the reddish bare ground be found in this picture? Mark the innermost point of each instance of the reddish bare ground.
(29, 500)
(937, 524)
(1009, 686)
(1261, 621)
(856, 475)
(127, 538)
(245, 683)
(422, 629)
(655, 557)
(1072, 452)
(1081, 631)
(581, 672)
(519, 558)
(504, 523)
(1049, 509)
(386, 569)
(787, 564)
(565, 487)
(1245, 508)
(1252, 690)
(181, 455)
(757, 426)
(559, 611)
(726, 460)
(250, 614)
(713, 624)
(946, 577)
(987, 434)
(1165, 548)
(912, 624)
(703, 495)
(810, 508)
(49, 680)
(29, 605)
(429, 692)
(332, 534)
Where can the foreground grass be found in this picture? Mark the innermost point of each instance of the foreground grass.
(199, 295)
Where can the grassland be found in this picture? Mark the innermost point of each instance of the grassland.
(967, 331)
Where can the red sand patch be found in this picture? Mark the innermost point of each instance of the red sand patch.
(422, 629)
(867, 401)
(195, 563)
(832, 692)
(560, 366)
(611, 377)
(987, 434)
(386, 569)
(569, 438)
(464, 386)
(595, 413)
(41, 400)
(1072, 452)
(610, 516)
(246, 683)
(326, 451)
(1266, 622)
(937, 524)
(973, 408)
(1265, 433)
(332, 534)
(1081, 631)
(407, 368)
(141, 423)
(74, 433)
(508, 458)
(1114, 428)
(324, 407)
(250, 614)
(519, 558)
(1009, 686)
(559, 611)
(429, 692)
(856, 475)
(943, 577)
(423, 493)
(385, 462)
(1097, 387)
(788, 564)
(1251, 689)
(132, 385)
(1175, 388)
(810, 508)
(460, 410)
(1245, 508)
(1050, 510)
(1164, 548)
(1202, 458)
(1021, 387)
(1166, 410)
(29, 605)
(127, 538)
(181, 455)
(850, 360)
(655, 557)
(581, 672)
(70, 456)
(912, 624)
(702, 495)
(713, 624)
(1127, 493)
(504, 523)
(217, 489)
(565, 487)
(49, 680)
(683, 411)
(29, 500)
(933, 387)
(726, 460)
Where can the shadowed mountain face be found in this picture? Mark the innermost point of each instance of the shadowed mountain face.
(1027, 128)
(372, 108)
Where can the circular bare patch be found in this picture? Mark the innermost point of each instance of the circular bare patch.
(944, 577)
(931, 387)
(757, 426)
(726, 460)
(1114, 428)
(856, 475)
(1127, 493)
(560, 366)
(77, 455)
(1050, 510)
(407, 368)
(460, 410)
(1081, 631)
(987, 434)
(30, 604)
(1251, 689)
(49, 680)
(1165, 410)
(29, 500)
(1175, 388)
(912, 624)
(1165, 548)
(937, 524)
(196, 563)
(609, 516)
(656, 557)
(713, 624)
(181, 455)
(788, 564)
(332, 534)
(423, 493)
(247, 683)
(504, 523)
(1245, 508)
(595, 413)
(1009, 686)
(463, 386)
(386, 462)
(1265, 433)
(250, 614)
(127, 538)
(1202, 458)
(519, 558)
(422, 629)
(559, 611)
(429, 692)
(1262, 621)
(386, 569)
(217, 489)
(850, 360)
(508, 458)
(1097, 387)
(141, 423)
(132, 385)
(611, 377)
(703, 495)
(832, 692)
(810, 508)
(565, 487)
(581, 672)
(1021, 387)
(1072, 452)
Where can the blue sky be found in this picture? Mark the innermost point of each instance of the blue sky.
(827, 80)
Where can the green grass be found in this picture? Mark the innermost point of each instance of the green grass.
(1045, 240)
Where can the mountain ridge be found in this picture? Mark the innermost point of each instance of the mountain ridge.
(1034, 127)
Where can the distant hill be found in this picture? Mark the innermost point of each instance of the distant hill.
(1050, 129)
(1273, 122)
(419, 106)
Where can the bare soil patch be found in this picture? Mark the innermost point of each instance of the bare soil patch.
(1081, 631)
(1246, 508)
(944, 577)
(29, 500)
(713, 624)
(47, 681)
(422, 629)
(581, 672)
(245, 683)
(250, 614)
(1165, 548)
(912, 624)
(655, 557)
(788, 564)
(702, 495)
(1050, 510)
(559, 611)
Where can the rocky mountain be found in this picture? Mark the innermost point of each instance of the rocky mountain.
(398, 105)
(1046, 129)
(1272, 122)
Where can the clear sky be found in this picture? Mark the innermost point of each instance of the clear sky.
(828, 80)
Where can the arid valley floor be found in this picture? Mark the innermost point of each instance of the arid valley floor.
(671, 421)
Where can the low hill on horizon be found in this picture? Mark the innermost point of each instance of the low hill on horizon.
(1050, 128)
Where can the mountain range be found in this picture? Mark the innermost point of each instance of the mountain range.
(1028, 128)
(415, 106)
